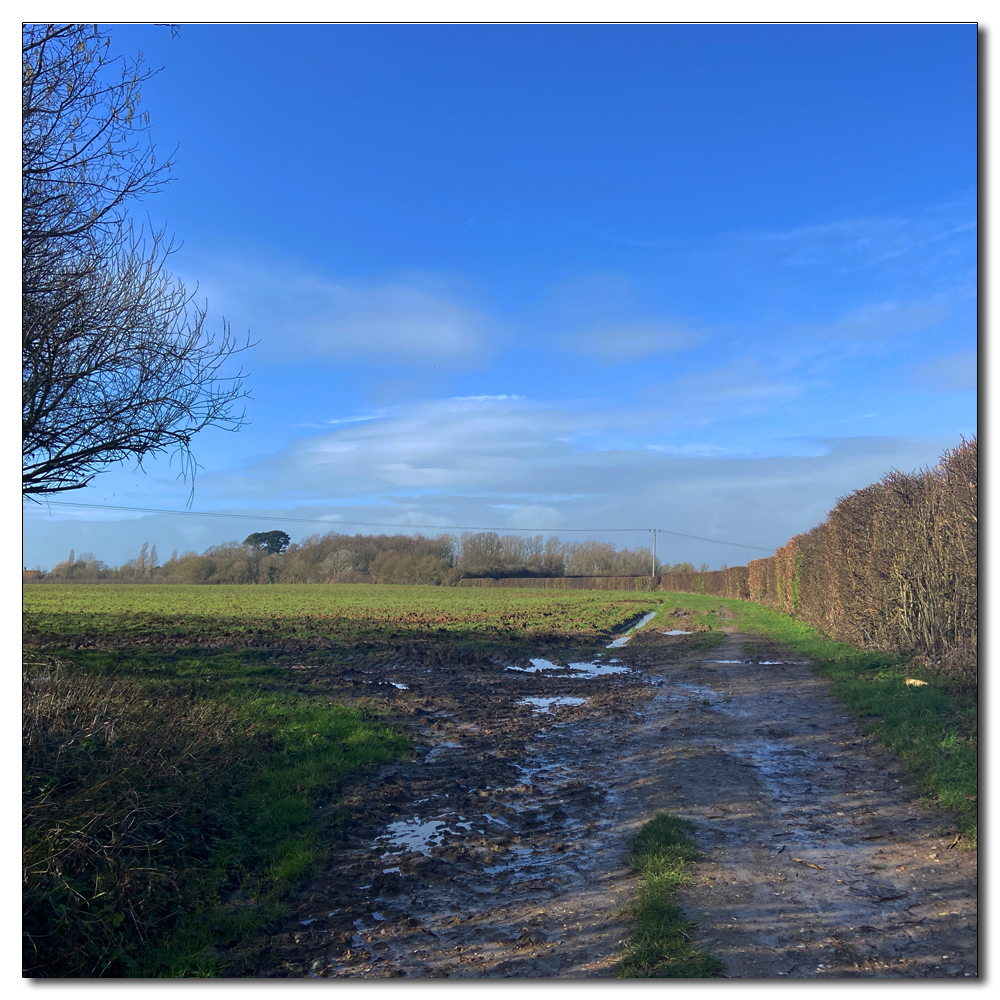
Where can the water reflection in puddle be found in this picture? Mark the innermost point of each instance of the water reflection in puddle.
(585, 669)
(537, 663)
(515, 861)
(414, 835)
(537, 666)
(622, 639)
(756, 663)
(677, 631)
(547, 704)
(597, 669)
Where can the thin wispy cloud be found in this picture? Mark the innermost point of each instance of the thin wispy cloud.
(513, 449)
(950, 373)
(395, 320)
(883, 321)
(842, 246)
(630, 341)
(297, 314)
(853, 244)
(742, 387)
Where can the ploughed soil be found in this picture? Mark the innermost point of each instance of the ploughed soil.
(500, 849)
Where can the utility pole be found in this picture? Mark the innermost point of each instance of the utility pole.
(654, 552)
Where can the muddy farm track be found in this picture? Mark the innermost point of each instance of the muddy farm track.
(499, 850)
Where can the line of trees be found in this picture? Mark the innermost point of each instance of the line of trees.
(270, 557)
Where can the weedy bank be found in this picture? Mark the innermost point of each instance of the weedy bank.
(170, 803)
(178, 777)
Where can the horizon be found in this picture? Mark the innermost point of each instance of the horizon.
(542, 278)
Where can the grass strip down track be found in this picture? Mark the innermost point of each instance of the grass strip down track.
(660, 947)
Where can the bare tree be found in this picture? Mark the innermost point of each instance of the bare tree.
(117, 362)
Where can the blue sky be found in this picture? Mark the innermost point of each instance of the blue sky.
(702, 278)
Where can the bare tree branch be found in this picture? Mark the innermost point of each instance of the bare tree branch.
(117, 361)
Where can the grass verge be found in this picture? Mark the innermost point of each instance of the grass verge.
(170, 804)
(660, 946)
(932, 728)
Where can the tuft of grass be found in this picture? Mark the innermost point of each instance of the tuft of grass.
(660, 946)
(933, 729)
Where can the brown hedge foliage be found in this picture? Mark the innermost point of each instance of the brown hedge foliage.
(894, 567)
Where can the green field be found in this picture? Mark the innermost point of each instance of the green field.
(349, 618)
(178, 781)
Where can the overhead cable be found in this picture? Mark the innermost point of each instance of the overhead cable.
(390, 524)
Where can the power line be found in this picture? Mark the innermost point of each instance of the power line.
(387, 524)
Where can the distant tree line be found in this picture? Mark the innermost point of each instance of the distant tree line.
(271, 557)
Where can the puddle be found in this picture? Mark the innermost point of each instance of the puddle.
(582, 671)
(597, 669)
(547, 704)
(677, 631)
(622, 639)
(537, 666)
(516, 863)
(757, 663)
(402, 687)
(443, 747)
(412, 835)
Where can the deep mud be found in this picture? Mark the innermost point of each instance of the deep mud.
(499, 850)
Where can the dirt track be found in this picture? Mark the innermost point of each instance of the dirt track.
(499, 851)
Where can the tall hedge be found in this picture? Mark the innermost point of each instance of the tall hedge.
(894, 567)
